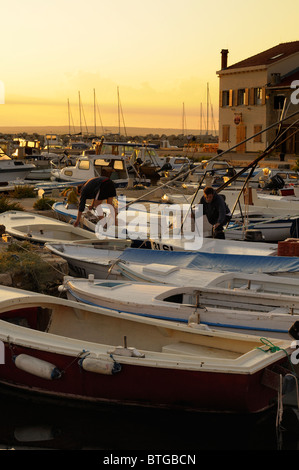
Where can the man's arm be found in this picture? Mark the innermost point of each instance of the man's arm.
(222, 211)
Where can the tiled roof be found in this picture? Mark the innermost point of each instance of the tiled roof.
(270, 56)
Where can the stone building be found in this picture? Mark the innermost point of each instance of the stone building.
(253, 94)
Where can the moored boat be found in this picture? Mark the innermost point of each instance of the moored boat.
(142, 263)
(254, 308)
(40, 229)
(65, 349)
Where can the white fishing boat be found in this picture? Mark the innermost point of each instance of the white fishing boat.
(91, 166)
(94, 258)
(271, 229)
(134, 222)
(11, 170)
(192, 242)
(259, 306)
(40, 229)
(189, 268)
(281, 204)
(68, 350)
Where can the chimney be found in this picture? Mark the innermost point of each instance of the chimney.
(224, 54)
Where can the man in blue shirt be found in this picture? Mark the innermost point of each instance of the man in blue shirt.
(98, 189)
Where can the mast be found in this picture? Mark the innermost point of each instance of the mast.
(183, 120)
(207, 109)
(69, 115)
(94, 112)
(80, 112)
(118, 110)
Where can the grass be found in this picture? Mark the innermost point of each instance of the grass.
(43, 204)
(7, 205)
(23, 192)
(23, 261)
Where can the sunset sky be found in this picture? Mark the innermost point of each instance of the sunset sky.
(160, 53)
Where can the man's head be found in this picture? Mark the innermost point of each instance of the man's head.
(208, 194)
(78, 189)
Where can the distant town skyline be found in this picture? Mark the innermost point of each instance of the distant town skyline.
(158, 60)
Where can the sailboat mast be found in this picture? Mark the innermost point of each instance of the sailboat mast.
(208, 109)
(94, 112)
(80, 112)
(69, 115)
(118, 110)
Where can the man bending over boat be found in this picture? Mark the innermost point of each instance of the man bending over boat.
(98, 189)
(216, 210)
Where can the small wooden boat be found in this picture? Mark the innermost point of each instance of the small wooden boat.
(104, 258)
(40, 229)
(134, 222)
(249, 308)
(93, 258)
(69, 350)
(272, 229)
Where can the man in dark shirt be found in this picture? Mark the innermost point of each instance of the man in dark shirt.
(98, 189)
(216, 211)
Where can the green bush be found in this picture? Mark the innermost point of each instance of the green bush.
(23, 191)
(7, 205)
(43, 204)
(26, 266)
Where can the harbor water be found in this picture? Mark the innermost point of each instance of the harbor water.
(36, 423)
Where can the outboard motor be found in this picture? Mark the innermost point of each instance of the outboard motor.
(276, 182)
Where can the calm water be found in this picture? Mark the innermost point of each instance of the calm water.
(45, 424)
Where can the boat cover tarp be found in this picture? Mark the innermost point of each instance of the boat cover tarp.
(213, 261)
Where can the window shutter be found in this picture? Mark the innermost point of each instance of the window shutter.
(220, 98)
(263, 95)
(246, 96)
(230, 103)
(251, 96)
(235, 97)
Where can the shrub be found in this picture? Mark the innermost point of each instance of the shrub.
(23, 191)
(43, 204)
(7, 205)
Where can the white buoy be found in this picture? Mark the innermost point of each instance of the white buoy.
(37, 367)
(98, 366)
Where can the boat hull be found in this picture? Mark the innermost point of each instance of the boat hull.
(143, 386)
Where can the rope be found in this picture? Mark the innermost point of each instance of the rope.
(15, 241)
(272, 348)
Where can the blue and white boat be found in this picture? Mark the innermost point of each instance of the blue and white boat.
(257, 311)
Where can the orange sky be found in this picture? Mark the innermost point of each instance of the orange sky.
(160, 54)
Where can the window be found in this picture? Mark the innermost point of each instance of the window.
(279, 101)
(258, 96)
(84, 165)
(257, 128)
(118, 165)
(101, 162)
(241, 97)
(225, 133)
(225, 98)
